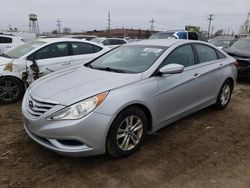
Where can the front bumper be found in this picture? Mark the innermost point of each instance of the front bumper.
(84, 137)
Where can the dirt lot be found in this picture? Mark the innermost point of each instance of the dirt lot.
(208, 149)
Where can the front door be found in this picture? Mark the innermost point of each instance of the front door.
(177, 93)
(53, 57)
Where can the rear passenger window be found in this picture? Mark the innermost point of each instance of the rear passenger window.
(205, 53)
(183, 55)
(80, 48)
(5, 40)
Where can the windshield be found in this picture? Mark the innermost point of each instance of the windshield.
(162, 36)
(24, 49)
(128, 59)
(243, 44)
(221, 43)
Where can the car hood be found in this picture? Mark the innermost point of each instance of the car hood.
(238, 53)
(72, 85)
(4, 60)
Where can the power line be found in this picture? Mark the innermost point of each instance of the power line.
(58, 25)
(210, 18)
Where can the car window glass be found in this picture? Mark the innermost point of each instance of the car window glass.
(80, 48)
(192, 36)
(97, 48)
(183, 55)
(116, 42)
(205, 53)
(106, 42)
(5, 40)
(133, 59)
(52, 51)
(220, 55)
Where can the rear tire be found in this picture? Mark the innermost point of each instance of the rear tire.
(224, 95)
(11, 89)
(127, 132)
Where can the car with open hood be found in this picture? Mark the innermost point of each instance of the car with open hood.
(111, 103)
(24, 64)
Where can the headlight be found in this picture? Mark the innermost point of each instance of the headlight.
(80, 109)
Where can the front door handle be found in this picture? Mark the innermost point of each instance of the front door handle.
(196, 75)
(66, 63)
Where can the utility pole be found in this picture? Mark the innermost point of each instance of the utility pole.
(109, 24)
(210, 18)
(152, 24)
(212, 32)
(58, 25)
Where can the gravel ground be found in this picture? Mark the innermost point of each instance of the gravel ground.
(207, 149)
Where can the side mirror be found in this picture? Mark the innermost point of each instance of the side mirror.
(172, 69)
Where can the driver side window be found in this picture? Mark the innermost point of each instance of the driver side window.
(182, 55)
(52, 51)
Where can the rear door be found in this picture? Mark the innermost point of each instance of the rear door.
(178, 93)
(210, 64)
(84, 52)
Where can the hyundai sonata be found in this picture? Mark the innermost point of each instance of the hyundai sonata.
(111, 103)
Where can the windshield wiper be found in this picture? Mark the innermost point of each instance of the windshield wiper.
(109, 69)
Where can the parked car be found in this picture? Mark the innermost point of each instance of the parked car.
(190, 35)
(111, 42)
(86, 37)
(223, 42)
(109, 104)
(8, 42)
(240, 50)
(22, 65)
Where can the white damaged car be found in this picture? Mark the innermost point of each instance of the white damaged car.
(24, 64)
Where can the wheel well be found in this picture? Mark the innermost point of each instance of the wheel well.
(146, 111)
(231, 81)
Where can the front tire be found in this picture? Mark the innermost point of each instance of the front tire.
(224, 95)
(127, 132)
(11, 89)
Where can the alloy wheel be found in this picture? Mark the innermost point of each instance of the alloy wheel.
(225, 94)
(129, 133)
(9, 90)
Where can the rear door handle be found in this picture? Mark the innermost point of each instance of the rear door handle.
(196, 75)
(221, 65)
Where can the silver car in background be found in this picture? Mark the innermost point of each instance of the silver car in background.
(109, 104)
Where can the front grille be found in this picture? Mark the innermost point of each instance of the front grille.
(36, 108)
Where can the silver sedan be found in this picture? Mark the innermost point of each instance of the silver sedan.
(111, 103)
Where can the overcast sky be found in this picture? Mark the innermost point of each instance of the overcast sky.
(82, 15)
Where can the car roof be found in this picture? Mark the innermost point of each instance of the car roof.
(165, 42)
(158, 42)
(52, 40)
(10, 36)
